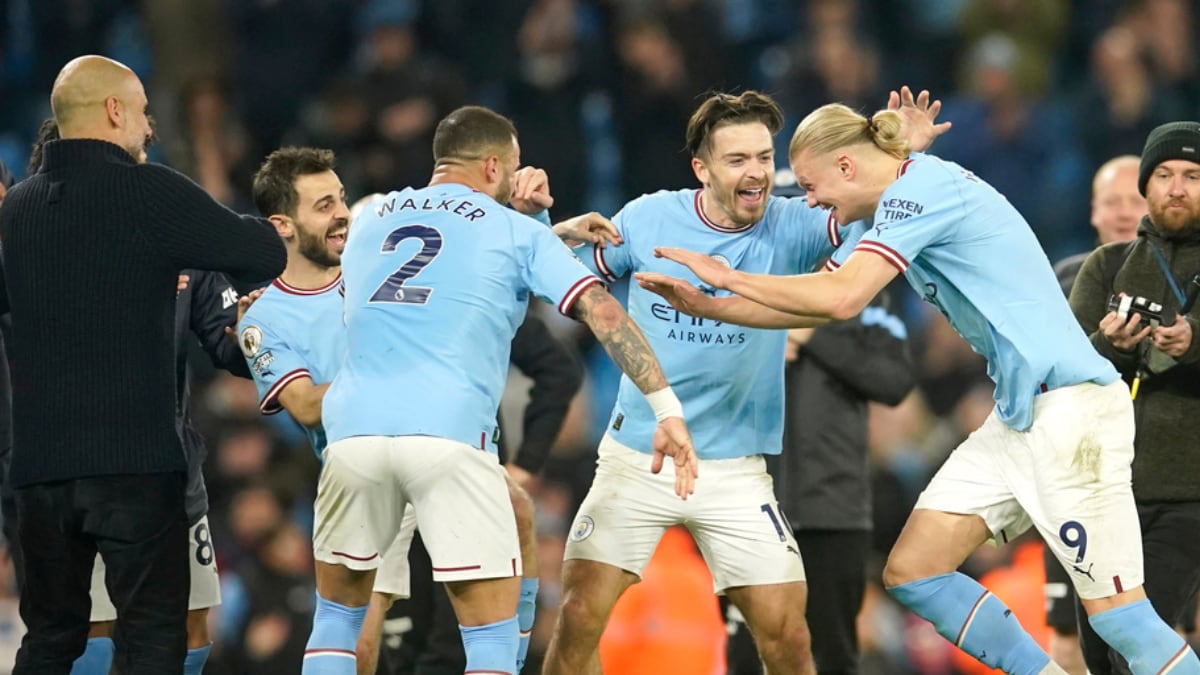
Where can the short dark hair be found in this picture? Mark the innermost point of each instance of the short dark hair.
(275, 181)
(721, 109)
(46, 133)
(472, 132)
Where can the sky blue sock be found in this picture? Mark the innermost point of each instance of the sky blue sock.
(491, 648)
(968, 615)
(526, 610)
(1145, 640)
(193, 664)
(330, 648)
(96, 658)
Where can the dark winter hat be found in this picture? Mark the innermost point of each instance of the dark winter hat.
(1173, 140)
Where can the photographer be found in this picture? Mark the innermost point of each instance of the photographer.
(1159, 356)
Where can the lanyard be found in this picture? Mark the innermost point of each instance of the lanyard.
(1162, 262)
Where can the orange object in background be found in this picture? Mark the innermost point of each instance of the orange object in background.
(670, 622)
(1022, 586)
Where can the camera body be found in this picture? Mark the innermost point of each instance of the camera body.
(1151, 312)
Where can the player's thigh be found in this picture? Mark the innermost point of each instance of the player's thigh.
(359, 504)
(205, 589)
(625, 512)
(1076, 486)
(1060, 596)
(971, 482)
(394, 576)
(738, 526)
(463, 508)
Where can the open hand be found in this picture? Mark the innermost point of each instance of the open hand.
(917, 117)
(706, 267)
(682, 295)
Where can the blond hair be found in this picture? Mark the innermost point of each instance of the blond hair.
(834, 126)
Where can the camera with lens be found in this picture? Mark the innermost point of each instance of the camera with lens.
(1151, 312)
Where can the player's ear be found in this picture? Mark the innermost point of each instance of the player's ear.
(846, 166)
(283, 225)
(700, 169)
(492, 168)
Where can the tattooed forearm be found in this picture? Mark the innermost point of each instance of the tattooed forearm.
(621, 337)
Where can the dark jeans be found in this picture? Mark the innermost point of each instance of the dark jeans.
(835, 563)
(1171, 555)
(139, 526)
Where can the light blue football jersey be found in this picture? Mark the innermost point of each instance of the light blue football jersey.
(729, 378)
(967, 252)
(290, 333)
(437, 280)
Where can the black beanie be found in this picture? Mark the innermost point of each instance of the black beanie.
(1173, 140)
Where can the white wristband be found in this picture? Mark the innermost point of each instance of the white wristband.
(665, 404)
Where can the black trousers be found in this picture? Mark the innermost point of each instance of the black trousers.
(139, 526)
(427, 640)
(1171, 555)
(835, 563)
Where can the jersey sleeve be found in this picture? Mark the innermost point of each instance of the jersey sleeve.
(848, 238)
(920, 209)
(553, 273)
(815, 232)
(273, 363)
(612, 261)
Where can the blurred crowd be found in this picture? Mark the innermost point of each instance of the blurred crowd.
(1041, 92)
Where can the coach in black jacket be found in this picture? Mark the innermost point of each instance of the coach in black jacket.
(93, 246)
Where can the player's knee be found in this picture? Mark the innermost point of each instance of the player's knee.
(789, 641)
(580, 617)
(904, 566)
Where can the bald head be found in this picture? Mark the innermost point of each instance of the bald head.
(1117, 206)
(97, 97)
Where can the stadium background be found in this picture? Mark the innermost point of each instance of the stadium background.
(1041, 92)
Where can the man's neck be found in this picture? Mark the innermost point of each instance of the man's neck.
(715, 214)
(304, 274)
(453, 175)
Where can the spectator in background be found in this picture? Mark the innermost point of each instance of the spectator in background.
(1161, 360)
(1122, 100)
(1016, 140)
(657, 96)
(406, 91)
(1117, 209)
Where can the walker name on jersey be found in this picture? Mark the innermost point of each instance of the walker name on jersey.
(694, 329)
(899, 209)
(459, 207)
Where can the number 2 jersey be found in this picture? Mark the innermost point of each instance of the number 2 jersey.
(437, 280)
(729, 378)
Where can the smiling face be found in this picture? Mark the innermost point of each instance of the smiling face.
(1117, 206)
(828, 182)
(322, 218)
(1173, 194)
(737, 171)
